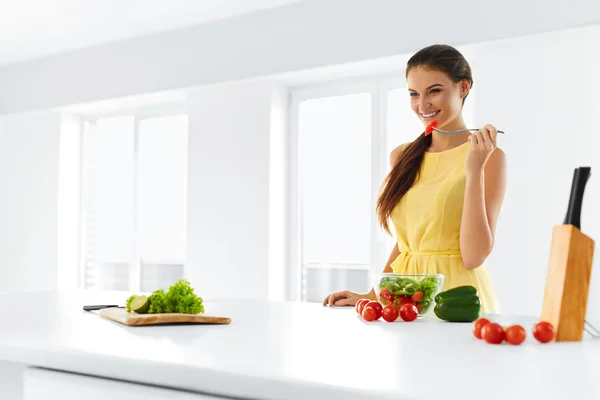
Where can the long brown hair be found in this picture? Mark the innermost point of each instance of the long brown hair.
(438, 57)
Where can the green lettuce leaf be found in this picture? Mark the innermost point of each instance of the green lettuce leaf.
(180, 298)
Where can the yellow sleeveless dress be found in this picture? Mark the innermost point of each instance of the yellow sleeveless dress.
(427, 225)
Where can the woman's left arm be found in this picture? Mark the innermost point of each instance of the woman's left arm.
(484, 193)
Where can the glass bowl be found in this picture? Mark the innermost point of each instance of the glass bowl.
(399, 289)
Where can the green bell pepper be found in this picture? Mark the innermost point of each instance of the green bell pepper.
(459, 304)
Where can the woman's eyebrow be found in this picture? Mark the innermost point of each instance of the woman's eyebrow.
(428, 87)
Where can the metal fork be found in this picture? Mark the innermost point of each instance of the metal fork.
(461, 130)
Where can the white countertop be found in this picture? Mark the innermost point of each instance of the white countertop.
(293, 351)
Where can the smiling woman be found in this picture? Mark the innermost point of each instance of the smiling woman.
(435, 178)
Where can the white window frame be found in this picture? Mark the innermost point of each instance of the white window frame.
(378, 89)
(139, 114)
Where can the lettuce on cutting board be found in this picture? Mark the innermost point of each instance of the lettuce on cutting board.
(180, 298)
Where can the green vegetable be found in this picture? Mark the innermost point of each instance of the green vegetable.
(459, 290)
(399, 286)
(460, 304)
(180, 298)
(403, 289)
(129, 301)
(159, 303)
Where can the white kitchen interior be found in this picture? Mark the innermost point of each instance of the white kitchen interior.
(239, 144)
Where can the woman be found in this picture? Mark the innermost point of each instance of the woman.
(444, 192)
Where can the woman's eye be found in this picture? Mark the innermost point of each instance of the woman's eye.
(435, 90)
(413, 94)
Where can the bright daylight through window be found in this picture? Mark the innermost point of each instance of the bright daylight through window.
(134, 192)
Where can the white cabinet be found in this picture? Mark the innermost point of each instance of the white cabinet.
(41, 384)
(11, 380)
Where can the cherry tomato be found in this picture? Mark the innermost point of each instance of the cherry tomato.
(386, 296)
(477, 325)
(376, 306)
(356, 306)
(402, 300)
(390, 313)
(408, 312)
(419, 307)
(361, 304)
(369, 314)
(417, 297)
(543, 331)
(364, 304)
(492, 333)
(515, 334)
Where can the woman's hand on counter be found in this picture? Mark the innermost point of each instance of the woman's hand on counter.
(346, 298)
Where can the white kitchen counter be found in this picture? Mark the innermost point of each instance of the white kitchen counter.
(293, 351)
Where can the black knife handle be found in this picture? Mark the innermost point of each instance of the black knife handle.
(98, 307)
(580, 178)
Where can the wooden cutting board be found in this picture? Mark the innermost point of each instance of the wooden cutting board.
(132, 319)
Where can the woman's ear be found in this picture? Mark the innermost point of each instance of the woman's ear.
(465, 87)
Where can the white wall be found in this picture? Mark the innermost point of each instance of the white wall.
(307, 34)
(544, 91)
(29, 201)
(228, 190)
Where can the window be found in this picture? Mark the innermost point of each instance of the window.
(334, 164)
(344, 136)
(134, 191)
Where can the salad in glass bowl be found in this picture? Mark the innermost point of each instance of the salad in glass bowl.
(400, 289)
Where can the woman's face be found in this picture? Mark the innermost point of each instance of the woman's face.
(434, 96)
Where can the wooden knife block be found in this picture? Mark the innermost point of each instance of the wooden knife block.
(568, 282)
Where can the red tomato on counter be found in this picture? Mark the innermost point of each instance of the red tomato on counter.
(543, 331)
(515, 334)
(408, 312)
(493, 333)
(477, 325)
(376, 306)
(369, 314)
(360, 305)
(390, 313)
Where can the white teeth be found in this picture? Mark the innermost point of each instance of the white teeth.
(430, 115)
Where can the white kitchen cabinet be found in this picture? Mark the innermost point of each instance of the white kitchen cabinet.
(11, 380)
(273, 351)
(42, 384)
